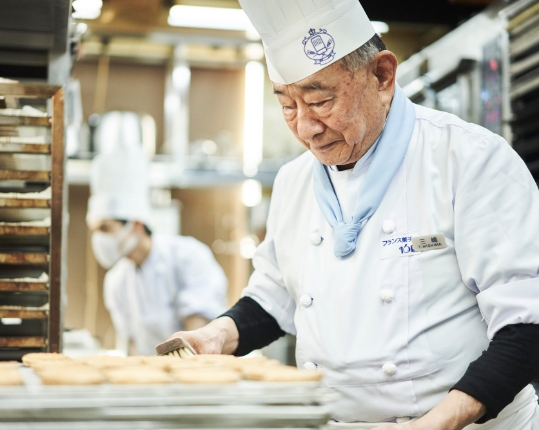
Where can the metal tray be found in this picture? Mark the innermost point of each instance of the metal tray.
(243, 405)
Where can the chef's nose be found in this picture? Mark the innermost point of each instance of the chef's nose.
(308, 126)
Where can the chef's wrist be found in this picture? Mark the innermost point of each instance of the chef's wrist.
(224, 333)
(456, 411)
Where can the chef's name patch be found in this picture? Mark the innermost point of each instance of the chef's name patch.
(430, 242)
(405, 246)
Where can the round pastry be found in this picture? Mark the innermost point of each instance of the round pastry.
(103, 361)
(290, 374)
(137, 375)
(220, 359)
(10, 377)
(71, 375)
(189, 364)
(164, 362)
(56, 366)
(241, 363)
(207, 376)
(8, 365)
(35, 357)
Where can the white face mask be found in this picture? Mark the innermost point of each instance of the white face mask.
(110, 247)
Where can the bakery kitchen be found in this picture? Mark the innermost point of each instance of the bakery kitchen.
(442, 337)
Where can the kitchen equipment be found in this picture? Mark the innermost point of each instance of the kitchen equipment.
(31, 218)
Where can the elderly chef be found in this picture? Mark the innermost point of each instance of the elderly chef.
(156, 284)
(402, 248)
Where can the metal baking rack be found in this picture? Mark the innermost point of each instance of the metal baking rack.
(31, 213)
(245, 405)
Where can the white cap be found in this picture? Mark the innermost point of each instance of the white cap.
(301, 37)
(118, 129)
(119, 183)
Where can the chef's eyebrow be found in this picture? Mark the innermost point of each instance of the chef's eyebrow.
(316, 85)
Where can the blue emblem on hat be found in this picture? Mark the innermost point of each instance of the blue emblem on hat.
(319, 46)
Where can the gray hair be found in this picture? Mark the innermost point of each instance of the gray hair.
(363, 55)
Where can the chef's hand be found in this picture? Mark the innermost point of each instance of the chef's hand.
(454, 412)
(218, 337)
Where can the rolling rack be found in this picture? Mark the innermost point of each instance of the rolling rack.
(523, 29)
(31, 218)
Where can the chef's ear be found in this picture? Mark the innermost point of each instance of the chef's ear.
(139, 228)
(385, 69)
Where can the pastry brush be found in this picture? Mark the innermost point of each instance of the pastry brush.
(175, 347)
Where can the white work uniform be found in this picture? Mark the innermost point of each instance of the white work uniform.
(179, 278)
(392, 330)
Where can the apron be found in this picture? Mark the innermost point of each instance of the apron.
(521, 414)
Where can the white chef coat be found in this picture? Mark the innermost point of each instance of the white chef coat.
(393, 333)
(179, 278)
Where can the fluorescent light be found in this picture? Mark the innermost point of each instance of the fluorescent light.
(380, 27)
(253, 117)
(209, 17)
(251, 193)
(247, 247)
(87, 9)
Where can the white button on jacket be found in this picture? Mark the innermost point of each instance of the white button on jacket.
(387, 296)
(309, 365)
(306, 300)
(388, 226)
(389, 369)
(315, 238)
(457, 179)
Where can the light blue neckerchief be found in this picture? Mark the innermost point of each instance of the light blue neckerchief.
(387, 159)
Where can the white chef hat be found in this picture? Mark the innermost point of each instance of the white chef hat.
(118, 129)
(301, 37)
(119, 185)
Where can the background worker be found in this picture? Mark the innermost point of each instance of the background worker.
(156, 283)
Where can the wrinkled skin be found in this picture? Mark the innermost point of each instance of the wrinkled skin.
(336, 114)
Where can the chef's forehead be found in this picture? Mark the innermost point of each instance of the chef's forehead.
(303, 86)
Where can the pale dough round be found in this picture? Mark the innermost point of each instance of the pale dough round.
(71, 375)
(109, 361)
(242, 363)
(35, 357)
(137, 375)
(164, 362)
(189, 364)
(290, 374)
(10, 377)
(212, 358)
(8, 365)
(207, 376)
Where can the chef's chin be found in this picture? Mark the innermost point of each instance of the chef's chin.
(333, 157)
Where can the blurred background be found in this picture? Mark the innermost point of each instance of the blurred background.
(193, 72)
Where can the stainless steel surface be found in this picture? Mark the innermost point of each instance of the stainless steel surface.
(243, 405)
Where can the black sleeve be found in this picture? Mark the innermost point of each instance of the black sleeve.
(256, 327)
(504, 369)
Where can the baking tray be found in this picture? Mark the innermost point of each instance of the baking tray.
(247, 404)
(25, 175)
(24, 286)
(24, 148)
(23, 342)
(23, 312)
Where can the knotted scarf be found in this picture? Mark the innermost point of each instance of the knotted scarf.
(387, 158)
